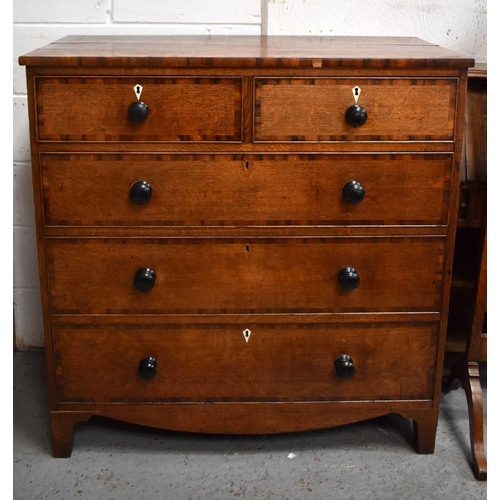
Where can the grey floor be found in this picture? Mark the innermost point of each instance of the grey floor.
(372, 459)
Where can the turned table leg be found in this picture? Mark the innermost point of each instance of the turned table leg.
(62, 425)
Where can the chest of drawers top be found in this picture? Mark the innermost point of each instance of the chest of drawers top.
(244, 52)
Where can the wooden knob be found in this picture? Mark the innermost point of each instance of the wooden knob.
(353, 192)
(348, 278)
(138, 112)
(344, 366)
(356, 115)
(140, 193)
(145, 279)
(148, 367)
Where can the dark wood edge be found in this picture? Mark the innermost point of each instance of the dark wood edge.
(253, 72)
(422, 318)
(40, 236)
(256, 231)
(452, 229)
(369, 147)
(246, 62)
(218, 236)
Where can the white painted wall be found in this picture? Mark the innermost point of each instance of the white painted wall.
(459, 25)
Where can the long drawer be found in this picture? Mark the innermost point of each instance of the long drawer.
(292, 362)
(179, 109)
(167, 189)
(314, 109)
(254, 275)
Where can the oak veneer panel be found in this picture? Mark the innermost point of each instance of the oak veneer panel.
(95, 109)
(313, 109)
(215, 363)
(255, 189)
(95, 275)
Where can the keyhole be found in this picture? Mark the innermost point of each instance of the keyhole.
(356, 91)
(137, 89)
(246, 335)
(247, 248)
(247, 164)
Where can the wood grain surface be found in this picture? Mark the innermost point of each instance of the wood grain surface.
(96, 275)
(201, 190)
(247, 149)
(244, 51)
(476, 134)
(95, 109)
(294, 109)
(207, 363)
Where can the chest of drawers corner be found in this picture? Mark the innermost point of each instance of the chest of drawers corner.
(253, 233)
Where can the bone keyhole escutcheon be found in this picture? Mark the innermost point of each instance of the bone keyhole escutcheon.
(356, 91)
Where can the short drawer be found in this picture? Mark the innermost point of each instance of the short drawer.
(314, 109)
(209, 363)
(254, 275)
(179, 109)
(139, 189)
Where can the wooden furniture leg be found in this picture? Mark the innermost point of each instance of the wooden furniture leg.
(467, 371)
(62, 424)
(468, 374)
(425, 428)
(474, 393)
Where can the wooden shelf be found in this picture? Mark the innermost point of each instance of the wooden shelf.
(466, 223)
(479, 70)
(458, 282)
(456, 341)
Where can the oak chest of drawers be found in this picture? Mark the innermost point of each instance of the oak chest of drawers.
(245, 234)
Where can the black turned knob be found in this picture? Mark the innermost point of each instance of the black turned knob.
(140, 192)
(138, 112)
(344, 366)
(144, 280)
(348, 278)
(353, 192)
(147, 368)
(356, 115)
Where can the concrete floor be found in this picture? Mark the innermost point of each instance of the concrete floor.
(368, 460)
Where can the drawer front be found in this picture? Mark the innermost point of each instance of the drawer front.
(295, 109)
(179, 109)
(88, 189)
(215, 275)
(215, 362)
